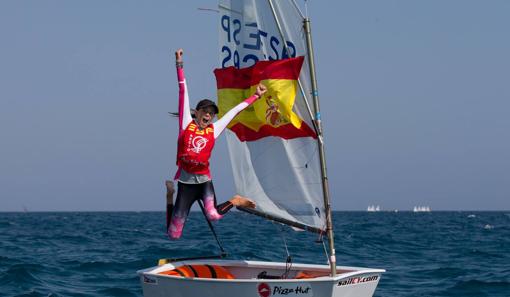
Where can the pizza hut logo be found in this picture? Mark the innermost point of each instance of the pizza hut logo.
(264, 290)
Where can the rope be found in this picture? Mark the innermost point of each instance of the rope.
(223, 253)
(325, 249)
(288, 261)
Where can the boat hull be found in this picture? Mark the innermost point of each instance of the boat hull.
(351, 281)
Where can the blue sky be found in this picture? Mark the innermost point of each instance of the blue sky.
(415, 98)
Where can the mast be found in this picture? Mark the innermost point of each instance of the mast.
(320, 143)
(318, 128)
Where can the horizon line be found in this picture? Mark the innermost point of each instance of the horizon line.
(346, 210)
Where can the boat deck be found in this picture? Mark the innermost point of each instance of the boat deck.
(248, 270)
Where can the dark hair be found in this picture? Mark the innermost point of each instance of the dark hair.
(202, 104)
(176, 114)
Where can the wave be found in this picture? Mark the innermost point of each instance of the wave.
(121, 292)
(475, 287)
(36, 293)
(27, 272)
(4, 224)
(98, 254)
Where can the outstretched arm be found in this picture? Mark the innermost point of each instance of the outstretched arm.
(184, 110)
(222, 123)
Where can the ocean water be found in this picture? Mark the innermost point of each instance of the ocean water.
(98, 253)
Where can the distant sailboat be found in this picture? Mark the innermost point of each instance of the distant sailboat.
(373, 208)
(421, 209)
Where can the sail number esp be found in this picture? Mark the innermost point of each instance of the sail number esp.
(245, 54)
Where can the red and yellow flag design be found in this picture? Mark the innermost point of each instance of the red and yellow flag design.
(271, 115)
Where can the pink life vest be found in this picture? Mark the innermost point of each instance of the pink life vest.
(194, 149)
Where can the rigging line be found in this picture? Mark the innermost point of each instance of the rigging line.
(284, 241)
(324, 246)
(301, 88)
(221, 6)
(223, 253)
(208, 9)
(288, 261)
(298, 9)
(306, 8)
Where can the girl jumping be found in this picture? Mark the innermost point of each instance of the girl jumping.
(194, 147)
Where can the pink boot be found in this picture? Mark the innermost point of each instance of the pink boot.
(175, 230)
(210, 210)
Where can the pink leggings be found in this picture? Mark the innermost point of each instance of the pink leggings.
(187, 194)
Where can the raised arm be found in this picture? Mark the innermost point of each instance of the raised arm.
(184, 110)
(222, 123)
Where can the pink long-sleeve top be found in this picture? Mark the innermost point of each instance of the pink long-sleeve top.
(185, 119)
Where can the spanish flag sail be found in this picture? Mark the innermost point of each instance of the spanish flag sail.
(272, 144)
(271, 115)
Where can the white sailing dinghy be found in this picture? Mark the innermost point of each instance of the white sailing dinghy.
(277, 155)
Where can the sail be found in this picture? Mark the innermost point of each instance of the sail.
(281, 174)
